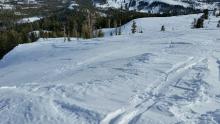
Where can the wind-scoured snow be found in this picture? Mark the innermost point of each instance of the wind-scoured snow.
(145, 78)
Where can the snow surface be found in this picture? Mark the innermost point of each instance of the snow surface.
(29, 20)
(73, 5)
(6, 6)
(150, 78)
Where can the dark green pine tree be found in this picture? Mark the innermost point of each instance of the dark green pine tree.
(199, 23)
(162, 28)
(218, 25)
(133, 27)
(206, 14)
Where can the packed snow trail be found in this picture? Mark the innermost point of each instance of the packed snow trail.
(128, 79)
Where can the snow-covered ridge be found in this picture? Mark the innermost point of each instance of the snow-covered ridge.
(127, 79)
(152, 5)
(119, 3)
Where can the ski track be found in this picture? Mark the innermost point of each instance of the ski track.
(129, 114)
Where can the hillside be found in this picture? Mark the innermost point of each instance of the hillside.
(158, 6)
(150, 77)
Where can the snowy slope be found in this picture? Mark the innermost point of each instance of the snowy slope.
(155, 77)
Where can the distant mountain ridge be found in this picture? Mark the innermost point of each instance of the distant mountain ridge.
(149, 6)
(156, 6)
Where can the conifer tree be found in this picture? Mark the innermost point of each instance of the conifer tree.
(75, 31)
(115, 26)
(199, 23)
(162, 28)
(91, 22)
(218, 25)
(206, 14)
(111, 34)
(33, 36)
(64, 32)
(214, 12)
(109, 23)
(100, 33)
(119, 31)
(133, 27)
(85, 31)
(68, 36)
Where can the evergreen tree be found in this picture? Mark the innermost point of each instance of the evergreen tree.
(91, 22)
(119, 31)
(199, 23)
(133, 27)
(85, 31)
(54, 35)
(214, 12)
(100, 33)
(33, 36)
(115, 26)
(162, 28)
(109, 23)
(68, 37)
(75, 32)
(218, 25)
(64, 33)
(206, 14)
(111, 34)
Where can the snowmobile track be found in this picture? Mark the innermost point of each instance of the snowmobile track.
(131, 113)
